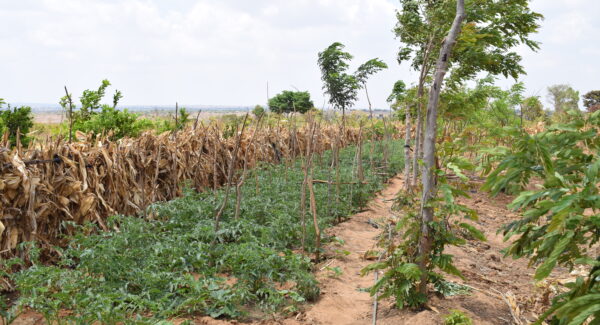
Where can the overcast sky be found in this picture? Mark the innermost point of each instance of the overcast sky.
(223, 52)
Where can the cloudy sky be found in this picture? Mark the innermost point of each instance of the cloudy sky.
(223, 52)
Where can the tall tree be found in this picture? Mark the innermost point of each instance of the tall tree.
(486, 42)
(363, 73)
(429, 168)
(563, 98)
(341, 87)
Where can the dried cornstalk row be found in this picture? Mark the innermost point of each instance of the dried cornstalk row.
(88, 181)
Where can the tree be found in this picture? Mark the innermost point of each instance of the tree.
(563, 98)
(291, 101)
(486, 42)
(592, 99)
(397, 96)
(429, 159)
(341, 87)
(532, 108)
(363, 73)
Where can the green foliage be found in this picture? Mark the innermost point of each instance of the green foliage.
(591, 99)
(402, 274)
(338, 84)
(491, 31)
(165, 266)
(291, 101)
(367, 69)
(399, 92)
(457, 317)
(93, 117)
(18, 120)
(258, 111)
(563, 98)
(560, 218)
(90, 100)
(532, 108)
(115, 123)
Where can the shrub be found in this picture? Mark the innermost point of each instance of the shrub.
(16, 120)
(115, 123)
(258, 111)
(109, 120)
(291, 101)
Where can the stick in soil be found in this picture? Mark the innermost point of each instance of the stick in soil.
(232, 163)
(240, 183)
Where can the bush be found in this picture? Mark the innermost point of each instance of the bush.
(258, 111)
(115, 123)
(16, 120)
(291, 101)
(109, 120)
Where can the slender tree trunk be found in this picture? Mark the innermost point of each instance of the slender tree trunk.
(418, 149)
(369, 101)
(429, 181)
(407, 182)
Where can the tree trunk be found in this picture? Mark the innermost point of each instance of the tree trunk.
(418, 150)
(407, 183)
(429, 181)
(369, 101)
(418, 136)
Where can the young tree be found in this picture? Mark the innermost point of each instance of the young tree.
(592, 99)
(486, 42)
(563, 98)
(364, 72)
(429, 168)
(291, 101)
(398, 96)
(341, 87)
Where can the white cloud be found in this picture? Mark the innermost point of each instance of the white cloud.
(224, 51)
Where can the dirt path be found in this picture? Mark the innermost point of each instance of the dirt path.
(342, 300)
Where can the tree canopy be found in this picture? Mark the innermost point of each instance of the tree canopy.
(491, 31)
(291, 101)
(341, 86)
(591, 100)
(563, 98)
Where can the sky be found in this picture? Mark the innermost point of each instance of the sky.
(224, 52)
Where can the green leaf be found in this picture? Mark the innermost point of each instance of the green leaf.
(473, 231)
(544, 270)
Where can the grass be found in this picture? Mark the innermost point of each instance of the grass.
(147, 270)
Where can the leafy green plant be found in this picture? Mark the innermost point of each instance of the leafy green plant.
(457, 317)
(258, 111)
(335, 272)
(17, 122)
(560, 218)
(402, 275)
(96, 118)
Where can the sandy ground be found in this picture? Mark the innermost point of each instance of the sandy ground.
(503, 289)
